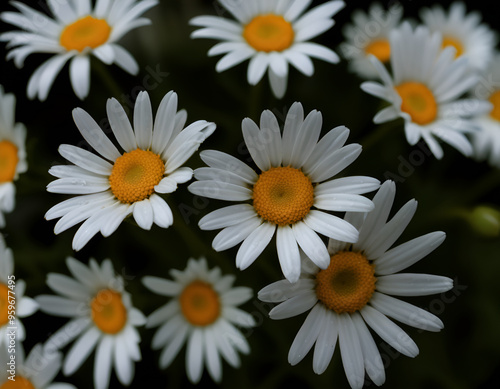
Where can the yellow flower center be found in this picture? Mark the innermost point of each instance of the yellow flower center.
(85, 32)
(4, 304)
(418, 102)
(269, 33)
(8, 161)
(19, 383)
(347, 284)
(380, 49)
(283, 195)
(135, 174)
(495, 100)
(108, 312)
(449, 41)
(200, 303)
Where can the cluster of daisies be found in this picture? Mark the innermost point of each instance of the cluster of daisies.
(344, 272)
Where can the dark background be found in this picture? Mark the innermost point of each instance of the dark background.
(466, 354)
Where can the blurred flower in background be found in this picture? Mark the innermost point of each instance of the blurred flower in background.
(369, 35)
(202, 313)
(271, 34)
(75, 32)
(12, 152)
(103, 316)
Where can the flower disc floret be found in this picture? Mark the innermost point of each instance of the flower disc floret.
(283, 195)
(418, 101)
(85, 32)
(347, 284)
(8, 161)
(135, 174)
(269, 33)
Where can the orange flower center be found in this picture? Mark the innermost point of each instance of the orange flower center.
(417, 101)
(4, 304)
(19, 383)
(269, 33)
(449, 41)
(495, 100)
(380, 49)
(200, 303)
(108, 312)
(347, 284)
(85, 32)
(135, 174)
(283, 195)
(8, 161)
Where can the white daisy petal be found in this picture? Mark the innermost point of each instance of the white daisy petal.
(307, 335)
(79, 71)
(405, 312)
(389, 331)
(120, 125)
(254, 244)
(413, 284)
(231, 236)
(227, 216)
(80, 350)
(331, 226)
(143, 121)
(326, 342)
(288, 252)
(311, 244)
(351, 351)
(102, 364)
(194, 355)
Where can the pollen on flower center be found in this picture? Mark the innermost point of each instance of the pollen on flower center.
(85, 32)
(108, 312)
(417, 101)
(449, 41)
(8, 161)
(380, 48)
(347, 284)
(4, 304)
(200, 303)
(269, 33)
(495, 100)
(19, 383)
(135, 174)
(283, 195)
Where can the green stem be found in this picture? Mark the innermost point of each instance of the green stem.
(378, 134)
(103, 73)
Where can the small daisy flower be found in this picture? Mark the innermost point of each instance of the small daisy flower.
(203, 313)
(102, 317)
(12, 152)
(291, 195)
(369, 35)
(486, 142)
(12, 293)
(117, 185)
(271, 34)
(462, 31)
(425, 88)
(355, 292)
(37, 371)
(75, 32)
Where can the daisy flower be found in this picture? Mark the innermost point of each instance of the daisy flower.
(102, 317)
(115, 185)
(425, 88)
(203, 313)
(37, 371)
(462, 31)
(369, 35)
(75, 32)
(291, 195)
(12, 152)
(355, 292)
(486, 142)
(12, 294)
(271, 34)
